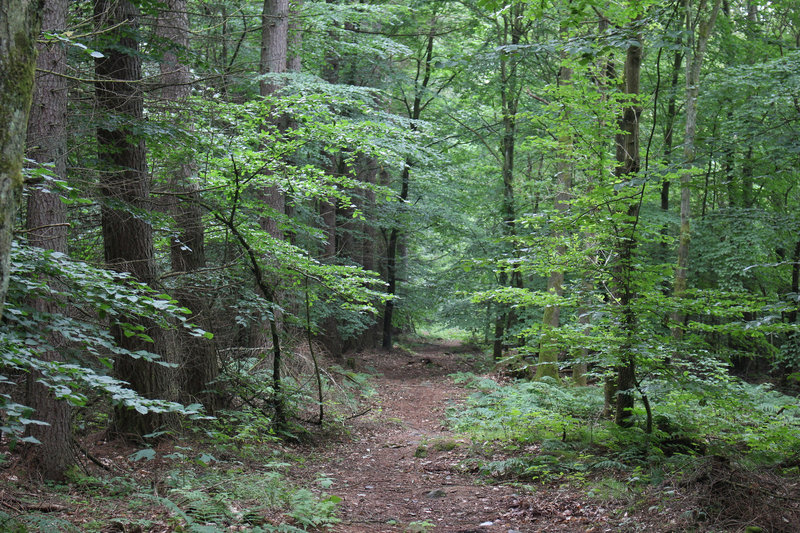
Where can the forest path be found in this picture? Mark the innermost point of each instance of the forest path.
(400, 469)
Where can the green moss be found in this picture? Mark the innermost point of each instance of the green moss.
(445, 445)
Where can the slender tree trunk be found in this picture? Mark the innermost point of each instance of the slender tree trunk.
(19, 29)
(669, 128)
(421, 82)
(628, 166)
(549, 350)
(46, 228)
(698, 32)
(127, 236)
(187, 249)
(509, 99)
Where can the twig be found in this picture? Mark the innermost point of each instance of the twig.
(92, 458)
(362, 413)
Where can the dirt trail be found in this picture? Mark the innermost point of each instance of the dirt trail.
(398, 470)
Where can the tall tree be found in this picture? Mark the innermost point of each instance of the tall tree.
(274, 53)
(198, 358)
(19, 28)
(46, 227)
(125, 188)
(422, 78)
(511, 29)
(698, 30)
(628, 166)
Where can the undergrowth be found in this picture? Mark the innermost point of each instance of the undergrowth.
(187, 496)
(558, 430)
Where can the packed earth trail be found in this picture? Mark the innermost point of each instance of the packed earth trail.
(399, 469)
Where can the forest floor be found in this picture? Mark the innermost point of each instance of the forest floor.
(400, 469)
(393, 466)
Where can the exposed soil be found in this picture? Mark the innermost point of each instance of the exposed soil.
(400, 468)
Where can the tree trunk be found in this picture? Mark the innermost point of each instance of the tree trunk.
(294, 61)
(127, 236)
(19, 29)
(549, 350)
(198, 358)
(274, 50)
(421, 82)
(698, 32)
(669, 128)
(46, 228)
(509, 100)
(628, 166)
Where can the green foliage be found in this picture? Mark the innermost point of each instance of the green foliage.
(554, 431)
(217, 500)
(87, 301)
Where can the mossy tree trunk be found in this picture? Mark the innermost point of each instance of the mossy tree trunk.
(19, 27)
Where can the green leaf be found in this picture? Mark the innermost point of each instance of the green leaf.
(147, 454)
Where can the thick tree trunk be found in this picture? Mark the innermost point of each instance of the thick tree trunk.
(274, 51)
(127, 236)
(19, 29)
(46, 228)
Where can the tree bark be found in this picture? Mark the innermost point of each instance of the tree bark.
(19, 28)
(549, 350)
(628, 166)
(47, 229)
(274, 50)
(698, 32)
(127, 235)
(294, 62)
(198, 358)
